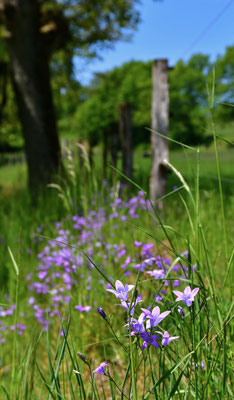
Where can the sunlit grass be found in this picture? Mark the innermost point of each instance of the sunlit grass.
(45, 361)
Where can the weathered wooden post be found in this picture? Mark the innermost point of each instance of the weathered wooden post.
(125, 132)
(160, 123)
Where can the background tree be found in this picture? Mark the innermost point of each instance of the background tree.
(10, 138)
(34, 30)
(132, 83)
(224, 86)
(188, 100)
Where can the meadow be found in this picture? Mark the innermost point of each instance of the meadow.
(105, 296)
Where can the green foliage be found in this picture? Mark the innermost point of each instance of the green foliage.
(224, 77)
(10, 130)
(129, 83)
(9, 123)
(95, 24)
(69, 29)
(188, 104)
(92, 119)
(47, 365)
(188, 98)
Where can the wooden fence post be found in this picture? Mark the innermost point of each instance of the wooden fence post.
(160, 123)
(125, 131)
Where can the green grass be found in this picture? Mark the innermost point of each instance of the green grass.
(44, 362)
(14, 176)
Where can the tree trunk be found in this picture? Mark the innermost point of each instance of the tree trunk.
(160, 122)
(125, 129)
(4, 76)
(31, 79)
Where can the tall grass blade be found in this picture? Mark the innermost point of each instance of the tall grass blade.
(5, 392)
(13, 262)
(168, 373)
(172, 140)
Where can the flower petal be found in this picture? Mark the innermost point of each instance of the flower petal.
(156, 311)
(119, 285)
(103, 364)
(112, 291)
(144, 345)
(163, 315)
(160, 333)
(145, 311)
(173, 338)
(187, 290)
(177, 293)
(194, 291)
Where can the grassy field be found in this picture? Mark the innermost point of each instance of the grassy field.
(68, 251)
(14, 176)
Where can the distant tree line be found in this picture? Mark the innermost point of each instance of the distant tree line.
(91, 113)
(40, 39)
(189, 81)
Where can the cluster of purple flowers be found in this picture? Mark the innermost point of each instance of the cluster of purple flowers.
(7, 316)
(144, 326)
(61, 268)
(147, 321)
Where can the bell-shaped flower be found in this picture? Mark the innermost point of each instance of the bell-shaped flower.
(100, 369)
(149, 340)
(126, 305)
(166, 339)
(187, 296)
(121, 291)
(138, 324)
(157, 273)
(154, 317)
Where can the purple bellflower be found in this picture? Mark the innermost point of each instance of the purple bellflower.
(126, 305)
(149, 261)
(149, 340)
(166, 339)
(157, 273)
(121, 290)
(181, 311)
(154, 317)
(100, 369)
(81, 308)
(202, 364)
(138, 325)
(187, 296)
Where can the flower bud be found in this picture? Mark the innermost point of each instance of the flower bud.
(181, 311)
(82, 357)
(102, 313)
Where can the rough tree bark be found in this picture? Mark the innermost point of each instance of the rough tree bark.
(31, 78)
(160, 123)
(125, 130)
(4, 78)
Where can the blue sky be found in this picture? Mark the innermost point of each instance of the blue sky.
(173, 29)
